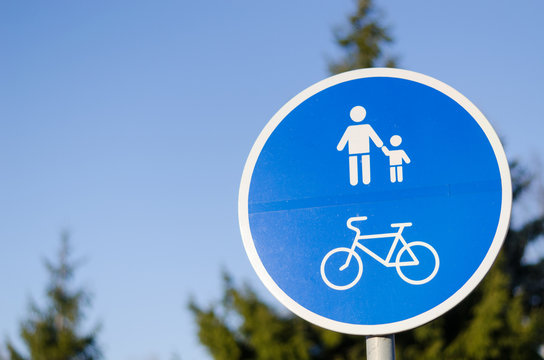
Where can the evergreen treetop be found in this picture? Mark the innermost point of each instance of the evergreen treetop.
(54, 332)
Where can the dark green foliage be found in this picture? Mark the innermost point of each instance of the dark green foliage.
(362, 41)
(502, 319)
(242, 326)
(526, 278)
(54, 333)
(490, 324)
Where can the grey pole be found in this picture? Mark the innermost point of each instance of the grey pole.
(380, 347)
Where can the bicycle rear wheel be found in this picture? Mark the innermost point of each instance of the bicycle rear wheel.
(339, 278)
(422, 265)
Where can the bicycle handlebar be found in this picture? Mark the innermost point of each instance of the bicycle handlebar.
(361, 218)
(401, 224)
(355, 218)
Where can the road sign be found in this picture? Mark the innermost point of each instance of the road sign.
(374, 201)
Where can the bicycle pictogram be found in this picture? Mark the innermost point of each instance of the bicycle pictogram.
(402, 261)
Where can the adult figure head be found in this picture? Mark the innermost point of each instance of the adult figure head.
(357, 113)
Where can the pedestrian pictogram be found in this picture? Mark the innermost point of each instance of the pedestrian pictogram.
(358, 139)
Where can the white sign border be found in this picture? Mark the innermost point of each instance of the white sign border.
(440, 309)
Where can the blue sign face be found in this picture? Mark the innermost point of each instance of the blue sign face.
(375, 201)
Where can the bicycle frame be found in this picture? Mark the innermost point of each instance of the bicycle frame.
(387, 261)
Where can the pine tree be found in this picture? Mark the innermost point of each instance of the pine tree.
(363, 41)
(502, 319)
(54, 333)
(242, 326)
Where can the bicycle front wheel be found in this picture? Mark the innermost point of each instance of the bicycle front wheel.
(420, 263)
(337, 272)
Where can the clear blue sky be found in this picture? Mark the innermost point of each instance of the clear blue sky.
(128, 123)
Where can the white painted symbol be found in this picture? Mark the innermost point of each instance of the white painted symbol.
(358, 137)
(346, 255)
(396, 158)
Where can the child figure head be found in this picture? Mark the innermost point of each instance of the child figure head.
(395, 140)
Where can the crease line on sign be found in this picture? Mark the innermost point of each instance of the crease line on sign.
(447, 190)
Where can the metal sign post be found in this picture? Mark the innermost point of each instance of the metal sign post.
(380, 347)
(374, 201)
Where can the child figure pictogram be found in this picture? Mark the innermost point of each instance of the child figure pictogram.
(396, 158)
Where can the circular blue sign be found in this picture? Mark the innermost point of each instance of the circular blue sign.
(375, 201)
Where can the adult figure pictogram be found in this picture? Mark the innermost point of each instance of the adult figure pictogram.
(358, 137)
